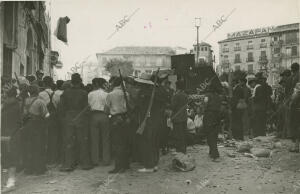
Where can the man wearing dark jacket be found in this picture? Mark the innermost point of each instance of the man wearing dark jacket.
(261, 104)
(179, 107)
(76, 133)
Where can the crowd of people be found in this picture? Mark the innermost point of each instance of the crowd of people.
(257, 108)
(132, 119)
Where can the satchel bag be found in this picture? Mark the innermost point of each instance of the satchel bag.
(241, 104)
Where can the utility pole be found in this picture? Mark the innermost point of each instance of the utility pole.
(197, 25)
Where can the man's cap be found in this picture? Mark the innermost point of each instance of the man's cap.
(144, 78)
(286, 72)
(39, 72)
(260, 75)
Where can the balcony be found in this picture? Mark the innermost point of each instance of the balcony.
(263, 59)
(249, 47)
(237, 48)
(263, 45)
(225, 50)
(237, 60)
(250, 59)
(276, 43)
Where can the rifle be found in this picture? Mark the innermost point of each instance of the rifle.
(124, 90)
(143, 125)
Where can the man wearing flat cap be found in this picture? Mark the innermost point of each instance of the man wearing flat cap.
(261, 103)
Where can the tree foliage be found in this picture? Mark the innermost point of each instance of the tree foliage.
(114, 65)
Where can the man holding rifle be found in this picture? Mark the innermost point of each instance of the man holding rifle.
(152, 102)
(117, 107)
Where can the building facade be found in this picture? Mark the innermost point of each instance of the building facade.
(144, 59)
(267, 49)
(284, 49)
(24, 38)
(205, 56)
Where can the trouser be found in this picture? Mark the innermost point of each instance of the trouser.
(149, 142)
(76, 142)
(133, 142)
(120, 137)
(260, 121)
(211, 121)
(35, 147)
(237, 124)
(179, 136)
(99, 127)
(54, 140)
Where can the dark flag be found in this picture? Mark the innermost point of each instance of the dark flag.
(196, 78)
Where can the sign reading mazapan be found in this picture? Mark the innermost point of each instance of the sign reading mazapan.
(252, 32)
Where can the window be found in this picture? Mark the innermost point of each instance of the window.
(201, 48)
(276, 50)
(205, 48)
(148, 71)
(250, 68)
(275, 38)
(263, 40)
(250, 42)
(225, 45)
(250, 57)
(291, 37)
(28, 65)
(225, 56)
(21, 69)
(237, 58)
(294, 50)
(288, 51)
(263, 53)
(237, 67)
(7, 61)
(237, 44)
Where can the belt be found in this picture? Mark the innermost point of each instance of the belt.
(119, 114)
(98, 111)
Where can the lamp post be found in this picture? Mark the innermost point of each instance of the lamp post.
(197, 25)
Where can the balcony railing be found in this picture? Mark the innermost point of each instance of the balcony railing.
(225, 50)
(263, 59)
(237, 60)
(225, 63)
(250, 59)
(237, 48)
(263, 45)
(276, 43)
(250, 47)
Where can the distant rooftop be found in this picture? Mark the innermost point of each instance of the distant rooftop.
(287, 27)
(203, 44)
(137, 50)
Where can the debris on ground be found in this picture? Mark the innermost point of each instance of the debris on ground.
(183, 162)
(244, 147)
(260, 152)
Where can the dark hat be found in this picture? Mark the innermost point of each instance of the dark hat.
(286, 72)
(144, 79)
(75, 78)
(39, 72)
(259, 76)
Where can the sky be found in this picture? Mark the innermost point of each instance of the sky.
(159, 22)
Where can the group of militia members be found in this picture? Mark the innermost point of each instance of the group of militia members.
(73, 125)
(68, 124)
(256, 107)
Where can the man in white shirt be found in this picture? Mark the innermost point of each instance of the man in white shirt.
(57, 93)
(46, 94)
(99, 122)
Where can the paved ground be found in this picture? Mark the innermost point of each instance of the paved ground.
(279, 173)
